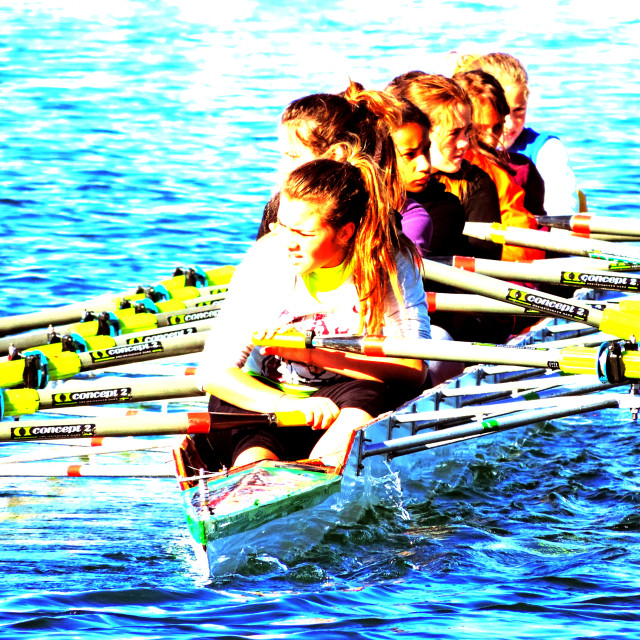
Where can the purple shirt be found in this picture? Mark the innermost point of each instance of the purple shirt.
(417, 225)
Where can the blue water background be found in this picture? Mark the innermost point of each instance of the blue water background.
(136, 136)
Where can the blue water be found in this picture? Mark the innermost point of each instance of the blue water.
(136, 136)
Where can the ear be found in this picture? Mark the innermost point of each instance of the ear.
(344, 234)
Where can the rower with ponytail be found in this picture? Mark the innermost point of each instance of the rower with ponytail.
(321, 124)
(334, 264)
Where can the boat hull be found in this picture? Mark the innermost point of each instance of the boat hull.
(278, 509)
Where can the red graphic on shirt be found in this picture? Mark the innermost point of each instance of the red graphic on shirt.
(318, 323)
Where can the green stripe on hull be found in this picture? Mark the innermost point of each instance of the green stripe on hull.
(251, 498)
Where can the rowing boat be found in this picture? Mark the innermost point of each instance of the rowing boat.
(280, 508)
(277, 509)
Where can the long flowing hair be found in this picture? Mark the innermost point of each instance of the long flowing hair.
(353, 190)
(323, 122)
(483, 88)
(437, 96)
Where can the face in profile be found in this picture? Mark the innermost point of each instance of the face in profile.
(450, 138)
(310, 243)
(514, 123)
(413, 150)
(487, 123)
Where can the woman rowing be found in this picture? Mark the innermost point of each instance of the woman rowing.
(316, 126)
(449, 110)
(443, 235)
(333, 264)
(544, 149)
(489, 110)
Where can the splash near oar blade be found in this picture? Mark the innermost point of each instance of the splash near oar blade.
(624, 255)
(617, 323)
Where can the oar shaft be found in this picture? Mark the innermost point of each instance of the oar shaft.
(411, 444)
(539, 272)
(68, 364)
(625, 226)
(446, 350)
(611, 321)
(40, 340)
(177, 288)
(570, 359)
(24, 401)
(473, 303)
(147, 424)
(550, 242)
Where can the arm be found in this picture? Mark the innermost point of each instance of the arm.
(410, 320)
(243, 390)
(417, 225)
(559, 180)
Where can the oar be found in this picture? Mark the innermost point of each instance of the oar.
(180, 287)
(35, 369)
(536, 239)
(61, 469)
(413, 444)
(106, 329)
(60, 339)
(577, 263)
(147, 424)
(538, 272)
(112, 390)
(475, 303)
(609, 364)
(114, 445)
(588, 225)
(617, 323)
(442, 417)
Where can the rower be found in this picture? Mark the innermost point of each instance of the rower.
(449, 110)
(544, 149)
(318, 125)
(334, 263)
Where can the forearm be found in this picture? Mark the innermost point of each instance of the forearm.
(242, 390)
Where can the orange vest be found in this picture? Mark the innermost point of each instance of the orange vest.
(512, 210)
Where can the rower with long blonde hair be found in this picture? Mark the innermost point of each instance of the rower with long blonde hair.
(335, 264)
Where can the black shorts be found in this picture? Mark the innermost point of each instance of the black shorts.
(221, 448)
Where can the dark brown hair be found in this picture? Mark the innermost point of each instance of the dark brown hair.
(356, 118)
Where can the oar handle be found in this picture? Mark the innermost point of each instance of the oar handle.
(287, 339)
